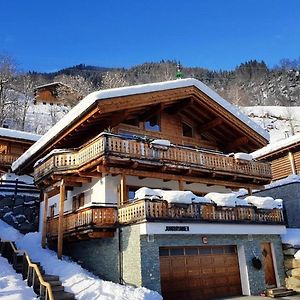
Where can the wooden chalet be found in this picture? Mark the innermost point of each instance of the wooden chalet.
(177, 135)
(55, 93)
(13, 143)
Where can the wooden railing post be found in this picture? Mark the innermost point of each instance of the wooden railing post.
(44, 233)
(123, 191)
(60, 235)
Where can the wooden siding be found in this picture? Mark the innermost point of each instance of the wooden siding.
(296, 155)
(281, 167)
(171, 129)
(142, 210)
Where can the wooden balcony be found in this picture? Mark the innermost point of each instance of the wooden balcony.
(90, 222)
(117, 150)
(6, 160)
(146, 210)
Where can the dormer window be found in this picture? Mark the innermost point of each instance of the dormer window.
(153, 123)
(187, 130)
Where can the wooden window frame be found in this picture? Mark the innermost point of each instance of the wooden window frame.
(158, 123)
(189, 125)
(77, 201)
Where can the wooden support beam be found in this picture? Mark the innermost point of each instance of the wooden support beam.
(210, 125)
(89, 174)
(60, 233)
(45, 214)
(180, 185)
(70, 179)
(123, 190)
(292, 162)
(152, 111)
(237, 143)
(250, 191)
(168, 177)
(179, 106)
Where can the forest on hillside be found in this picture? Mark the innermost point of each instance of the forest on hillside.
(249, 84)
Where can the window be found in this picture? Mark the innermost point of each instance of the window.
(78, 201)
(187, 130)
(153, 123)
(51, 211)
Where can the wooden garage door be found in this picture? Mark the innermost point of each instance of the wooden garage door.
(198, 273)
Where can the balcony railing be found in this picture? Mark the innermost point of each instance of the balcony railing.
(7, 159)
(146, 210)
(120, 147)
(86, 219)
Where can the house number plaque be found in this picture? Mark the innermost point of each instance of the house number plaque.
(177, 228)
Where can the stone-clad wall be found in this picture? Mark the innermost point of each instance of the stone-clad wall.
(20, 211)
(290, 193)
(292, 267)
(150, 255)
(99, 256)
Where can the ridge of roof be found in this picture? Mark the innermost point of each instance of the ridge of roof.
(90, 99)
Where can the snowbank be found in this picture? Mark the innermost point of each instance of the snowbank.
(75, 279)
(12, 176)
(12, 286)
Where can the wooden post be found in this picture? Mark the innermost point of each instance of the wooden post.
(180, 185)
(292, 162)
(60, 236)
(249, 191)
(44, 233)
(123, 190)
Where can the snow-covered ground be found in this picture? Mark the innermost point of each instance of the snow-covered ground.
(12, 286)
(280, 121)
(75, 279)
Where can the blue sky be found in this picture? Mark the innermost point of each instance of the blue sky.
(217, 34)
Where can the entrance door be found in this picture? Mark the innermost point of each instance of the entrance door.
(270, 278)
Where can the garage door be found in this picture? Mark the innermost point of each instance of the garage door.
(199, 272)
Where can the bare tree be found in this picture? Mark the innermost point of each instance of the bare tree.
(74, 88)
(24, 85)
(7, 94)
(114, 79)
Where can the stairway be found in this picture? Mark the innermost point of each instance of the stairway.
(279, 292)
(18, 261)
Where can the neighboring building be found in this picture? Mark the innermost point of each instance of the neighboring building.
(172, 135)
(55, 93)
(13, 143)
(284, 157)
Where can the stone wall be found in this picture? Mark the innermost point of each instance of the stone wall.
(150, 255)
(20, 211)
(290, 193)
(292, 267)
(99, 256)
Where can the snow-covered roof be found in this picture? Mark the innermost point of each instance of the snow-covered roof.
(90, 99)
(17, 134)
(49, 84)
(273, 147)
